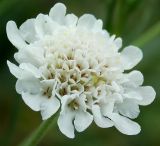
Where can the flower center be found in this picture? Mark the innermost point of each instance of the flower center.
(77, 65)
(47, 92)
(74, 105)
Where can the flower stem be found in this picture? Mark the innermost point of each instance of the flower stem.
(117, 20)
(39, 133)
(148, 36)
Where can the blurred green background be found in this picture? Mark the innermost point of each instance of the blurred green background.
(129, 19)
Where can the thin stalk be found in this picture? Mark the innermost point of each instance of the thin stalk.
(148, 36)
(39, 133)
(117, 20)
(110, 4)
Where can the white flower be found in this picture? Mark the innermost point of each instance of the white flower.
(72, 63)
(74, 111)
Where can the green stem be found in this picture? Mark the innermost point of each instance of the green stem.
(148, 36)
(39, 133)
(117, 20)
(109, 14)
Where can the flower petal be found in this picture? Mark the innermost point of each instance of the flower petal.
(71, 20)
(31, 54)
(148, 95)
(31, 85)
(14, 36)
(82, 120)
(118, 42)
(135, 78)
(125, 125)
(44, 25)
(27, 31)
(98, 25)
(17, 71)
(65, 100)
(128, 108)
(131, 56)
(57, 13)
(87, 21)
(49, 107)
(133, 94)
(100, 120)
(108, 107)
(31, 68)
(65, 124)
(33, 101)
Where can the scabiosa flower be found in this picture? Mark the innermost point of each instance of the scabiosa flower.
(73, 65)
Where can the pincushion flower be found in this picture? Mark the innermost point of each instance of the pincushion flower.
(74, 66)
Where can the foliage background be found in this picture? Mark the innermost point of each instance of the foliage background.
(129, 19)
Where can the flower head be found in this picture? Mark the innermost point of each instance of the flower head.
(73, 65)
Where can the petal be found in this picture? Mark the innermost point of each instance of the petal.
(31, 85)
(27, 31)
(82, 120)
(17, 71)
(33, 101)
(129, 108)
(65, 124)
(65, 100)
(100, 120)
(133, 94)
(125, 125)
(48, 83)
(98, 25)
(57, 13)
(71, 20)
(44, 25)
(49, 107)
(87, 21)
(81, 101)
(14, 36)
(135, 78)
(31, 68)
(148, 95)
(131, 56)
(118, 42)
(108, 107)
(31, 54)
